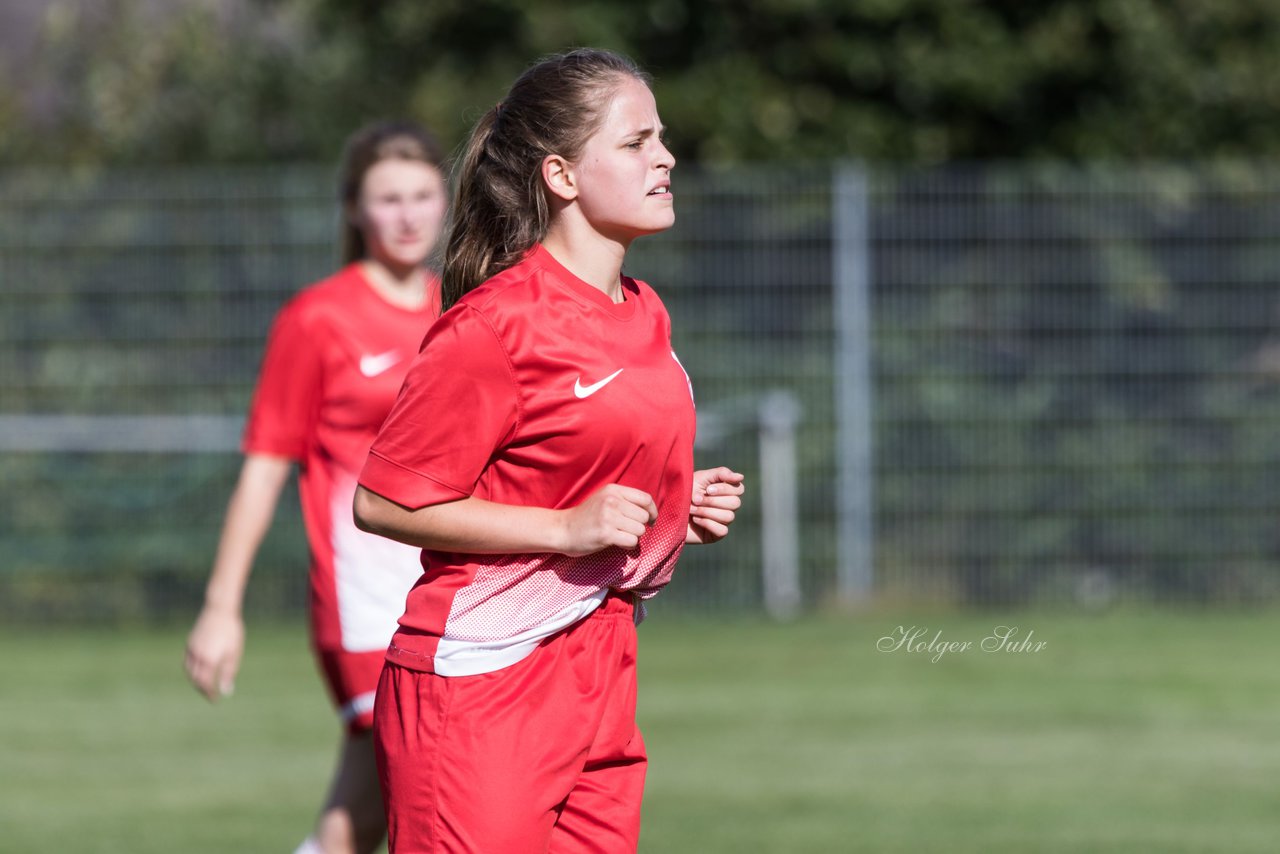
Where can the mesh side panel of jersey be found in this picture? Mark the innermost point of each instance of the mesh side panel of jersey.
(514, 596)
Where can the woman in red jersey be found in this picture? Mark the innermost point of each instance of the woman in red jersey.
(337, 354)
(541, 452)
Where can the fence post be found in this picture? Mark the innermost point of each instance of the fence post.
(851, 265)
(779, 413)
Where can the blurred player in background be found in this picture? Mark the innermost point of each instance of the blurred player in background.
(337, 354)
(541, 451)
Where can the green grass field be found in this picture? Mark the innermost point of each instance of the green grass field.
(1133, 732)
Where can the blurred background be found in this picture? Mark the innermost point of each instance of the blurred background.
(979, 295)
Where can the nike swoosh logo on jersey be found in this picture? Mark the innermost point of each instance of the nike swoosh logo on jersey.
(582, 391)
(371, 366)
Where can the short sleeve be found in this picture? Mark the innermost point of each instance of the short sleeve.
(458, 406)
(286, 402)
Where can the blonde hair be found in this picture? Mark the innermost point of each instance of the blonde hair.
(501, 209)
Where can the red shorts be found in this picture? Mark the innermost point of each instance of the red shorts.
(352, 678)
(544, 755)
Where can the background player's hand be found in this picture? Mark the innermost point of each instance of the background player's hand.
(717, 495)
(615, 516)
(214, 649)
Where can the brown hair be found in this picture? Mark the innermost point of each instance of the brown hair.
(501, 208)
(367, 147)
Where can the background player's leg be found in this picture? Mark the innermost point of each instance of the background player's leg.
(352, 819)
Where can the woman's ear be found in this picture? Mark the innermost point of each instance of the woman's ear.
(558, 175)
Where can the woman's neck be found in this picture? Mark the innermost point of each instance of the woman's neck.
(406, 288)
(593, 258)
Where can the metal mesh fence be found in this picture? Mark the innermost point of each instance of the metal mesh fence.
(1076, 383)
(1073, 392)
(134, 308)
(145, 295)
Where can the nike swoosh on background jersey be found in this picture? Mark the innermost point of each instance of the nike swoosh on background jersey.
(581, 391)
(371, 366)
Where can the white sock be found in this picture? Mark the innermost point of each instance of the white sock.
(309, 846)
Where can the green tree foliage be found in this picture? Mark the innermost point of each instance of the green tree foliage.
(918, 81)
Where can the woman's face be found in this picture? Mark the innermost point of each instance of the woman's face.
(400, 211)
(623, 175)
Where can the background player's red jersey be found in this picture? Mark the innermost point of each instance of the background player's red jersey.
(337, 355)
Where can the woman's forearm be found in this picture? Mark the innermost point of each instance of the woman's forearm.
(615, 516)
(249, 514)
(470, 525)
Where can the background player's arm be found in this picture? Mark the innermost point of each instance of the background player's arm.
(216, 642)
(717, 495)
(614, 516)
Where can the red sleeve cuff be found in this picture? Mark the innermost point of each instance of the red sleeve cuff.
(404, 486)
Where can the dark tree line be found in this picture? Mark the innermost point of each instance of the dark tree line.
(910, 81)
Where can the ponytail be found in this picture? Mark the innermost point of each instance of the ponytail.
(498, 215)
(501, 209)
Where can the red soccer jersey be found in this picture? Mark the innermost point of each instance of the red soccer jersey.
(535, 390)
(335, 359)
